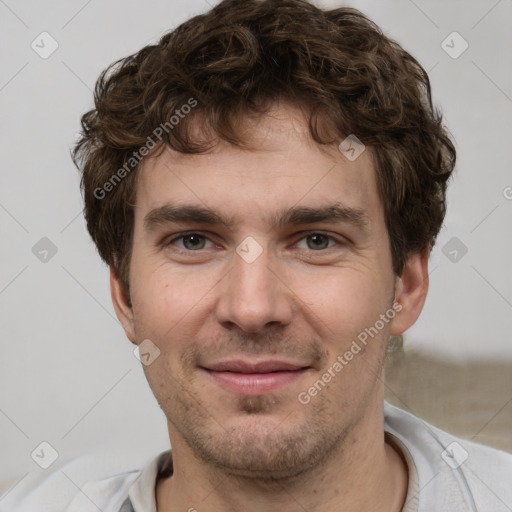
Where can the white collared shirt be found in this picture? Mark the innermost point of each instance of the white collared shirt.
(446, 474)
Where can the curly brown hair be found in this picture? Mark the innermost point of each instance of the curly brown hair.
(235, 62)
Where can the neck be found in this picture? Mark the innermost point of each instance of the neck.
(363, 473)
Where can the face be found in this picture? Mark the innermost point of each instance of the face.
(256, 293)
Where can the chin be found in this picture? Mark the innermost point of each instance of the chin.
(266, 447)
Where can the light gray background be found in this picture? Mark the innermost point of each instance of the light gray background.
(68, 375)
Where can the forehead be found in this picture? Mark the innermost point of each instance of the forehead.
(282, 168)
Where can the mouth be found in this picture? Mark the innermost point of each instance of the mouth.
(255, 378)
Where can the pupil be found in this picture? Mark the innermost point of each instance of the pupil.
(192, 237)
(316, 237)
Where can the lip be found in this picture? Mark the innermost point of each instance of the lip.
(255, 378)
(241, 366)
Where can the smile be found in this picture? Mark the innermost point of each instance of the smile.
(254, 378)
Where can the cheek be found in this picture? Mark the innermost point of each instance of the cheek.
(345, 301)
(165, 300)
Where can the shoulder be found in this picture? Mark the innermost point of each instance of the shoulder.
(454, 473)
(84, 484)
(107, 494)
(118, 492)
(58, 491)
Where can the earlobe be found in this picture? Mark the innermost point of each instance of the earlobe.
(123, 309)
(411, 291)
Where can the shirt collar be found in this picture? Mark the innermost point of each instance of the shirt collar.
(143, 489)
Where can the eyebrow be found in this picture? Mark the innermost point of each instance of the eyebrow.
(335, 213)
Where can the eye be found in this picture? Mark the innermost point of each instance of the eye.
(191, 241)
(194, 242)
(318, 241)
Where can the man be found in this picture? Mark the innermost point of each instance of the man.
(266, 184)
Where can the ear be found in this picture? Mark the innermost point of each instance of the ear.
(411, 291)
(122, 307)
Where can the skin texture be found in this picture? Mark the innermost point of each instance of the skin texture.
(303, 300)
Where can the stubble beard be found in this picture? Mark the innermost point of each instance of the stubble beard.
(265, 446)
(263, 449)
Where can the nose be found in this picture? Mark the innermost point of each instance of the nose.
(253, 294)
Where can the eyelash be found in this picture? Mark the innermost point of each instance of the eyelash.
(304, 235)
